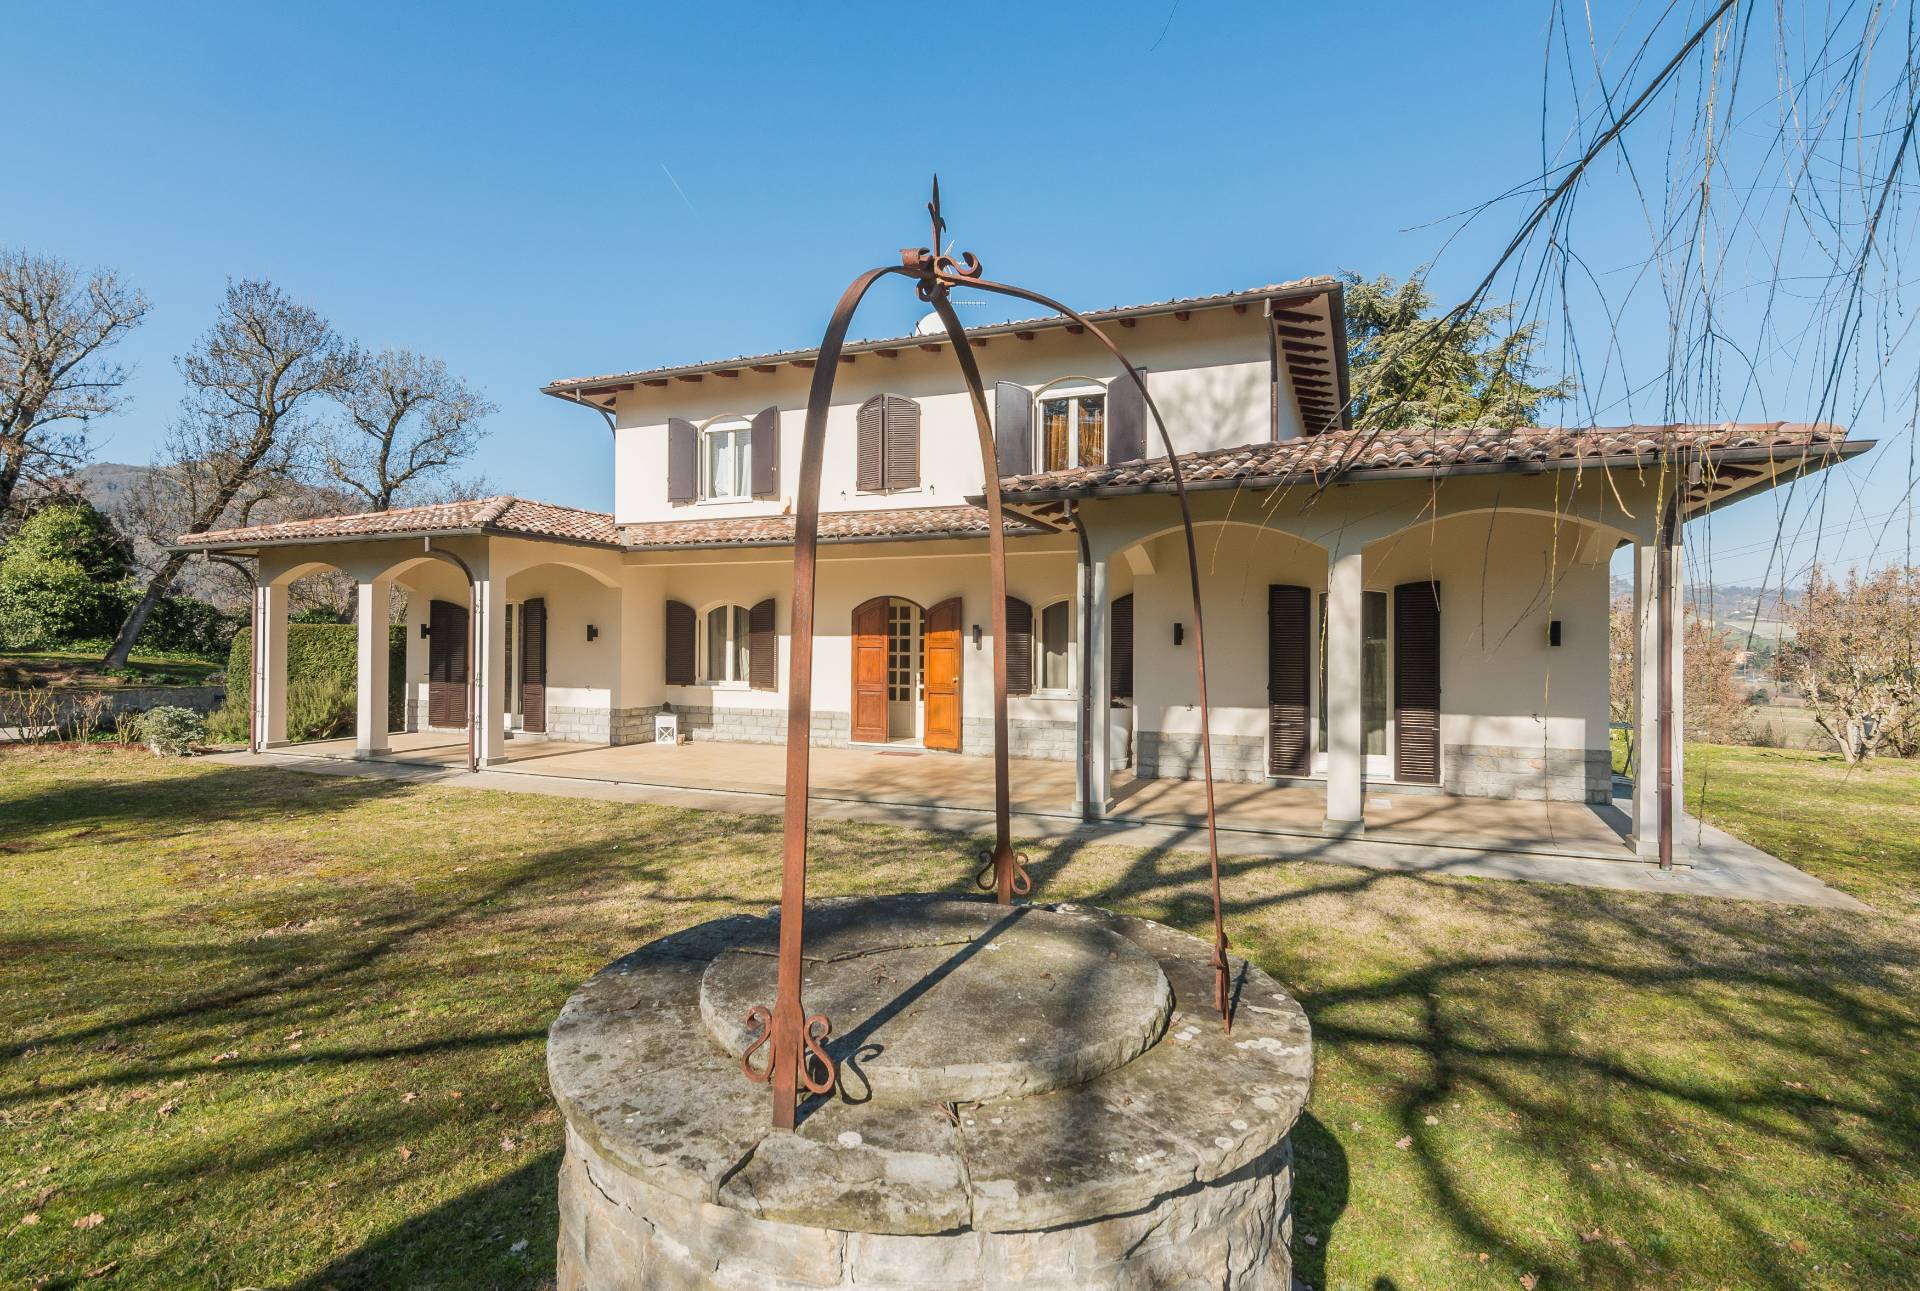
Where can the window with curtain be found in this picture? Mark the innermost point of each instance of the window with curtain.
(1056, 625)
(726, 629)
(1073, 430)
(726, 461)
(1373, 674)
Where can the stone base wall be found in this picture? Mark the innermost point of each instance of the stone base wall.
(1557, 775)
(631, 725)
(1162, 755)
(1048, 741)
(577, 725)
(617, 1232)
(1055, 741)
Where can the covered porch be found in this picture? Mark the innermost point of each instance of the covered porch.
(1041, 788)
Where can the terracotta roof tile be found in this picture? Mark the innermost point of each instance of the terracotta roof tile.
(835, 526)
(1442, 450)
(503, 515)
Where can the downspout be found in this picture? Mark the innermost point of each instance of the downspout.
(1094, 793)
(570, 397)
(473, 659)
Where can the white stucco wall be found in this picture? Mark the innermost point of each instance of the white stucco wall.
(1209, 376)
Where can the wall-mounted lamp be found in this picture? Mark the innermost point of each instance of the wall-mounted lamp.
(976, 636)
(1553, 633)
(593, 633)
(426, 630)
(1179, 633)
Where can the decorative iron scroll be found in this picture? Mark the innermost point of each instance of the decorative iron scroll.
(791, 1038)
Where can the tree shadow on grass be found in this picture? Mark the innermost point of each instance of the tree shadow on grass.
(479, 1234)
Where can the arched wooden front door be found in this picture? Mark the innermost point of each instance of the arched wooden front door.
(942, 634)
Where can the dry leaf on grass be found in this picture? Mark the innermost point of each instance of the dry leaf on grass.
(90, 1221)
(1529, 1280)
(104, 1269)
(1404, 1142)
(223, 1057)
(406, 1154)
(30, 1219)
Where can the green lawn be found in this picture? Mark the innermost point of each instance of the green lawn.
(279, 1030)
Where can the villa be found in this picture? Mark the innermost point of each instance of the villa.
(1396, 622)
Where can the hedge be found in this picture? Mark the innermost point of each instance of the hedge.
(324, 650)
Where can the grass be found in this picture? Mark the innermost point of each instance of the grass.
(280, 1030)
(77, 668)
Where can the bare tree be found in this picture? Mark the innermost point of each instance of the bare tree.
(410, 423)
(55, 324)
(1855, 654)
(246, 425)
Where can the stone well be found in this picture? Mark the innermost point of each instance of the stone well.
(1030, 1096)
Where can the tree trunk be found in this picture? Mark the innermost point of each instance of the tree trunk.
(137, 620)
(13, 458)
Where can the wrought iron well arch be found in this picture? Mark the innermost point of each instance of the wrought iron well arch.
(792, 1039)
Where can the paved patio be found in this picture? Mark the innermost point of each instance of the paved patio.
(912, 778)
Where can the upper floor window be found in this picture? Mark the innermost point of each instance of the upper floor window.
(1072, 425)
(889, 444)
(726, 459)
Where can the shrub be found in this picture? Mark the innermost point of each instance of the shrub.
(320, 708)
(316, 650)
(172, 732)
(181, 625)
(228, 725)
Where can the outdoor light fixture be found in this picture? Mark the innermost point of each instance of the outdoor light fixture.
(976, 636)
(1553, 633)
(426, 630)
(593, 633)
(1179, 633)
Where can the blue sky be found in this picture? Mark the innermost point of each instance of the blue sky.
(532, 192)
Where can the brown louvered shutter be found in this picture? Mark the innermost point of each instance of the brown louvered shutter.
(1289, 635)
(680, 648)
(683, 460)
(1416, 683)
(1013, 428)
(764, 439)
(763, 648)
(1120, 648)
(533, 664)
(1126, 419)
(1019, 647)
(870, 423)
(902, 435)
(446, 664)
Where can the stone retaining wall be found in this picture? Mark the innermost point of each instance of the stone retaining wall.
(1558, 775)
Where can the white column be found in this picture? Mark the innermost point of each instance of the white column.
(370, 713)
(1345, 751)
(1646, 700)
(1678, 626)
(1094, 719)
(270, 654)
(490, 648)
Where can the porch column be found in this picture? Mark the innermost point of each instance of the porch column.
(490, 650)
(1646, 700)
(1678, 626)
(1093, 774)
(370, 713)
(1345, 757)
(269, 679)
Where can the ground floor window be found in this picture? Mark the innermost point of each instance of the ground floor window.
(726, 654)
(1056, 639)
(1373, 674)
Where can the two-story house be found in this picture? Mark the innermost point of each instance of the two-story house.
(1400, 613)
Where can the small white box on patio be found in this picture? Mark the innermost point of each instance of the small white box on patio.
(666, 728)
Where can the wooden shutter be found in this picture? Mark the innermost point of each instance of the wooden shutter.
(764, 438)
(446, 664)
(1289, 638)
(870, 423)
(533, 664)
(683, 461)
(942, 631)
(1126, 419)
(1416, 683)
(869, 724)
(1019, 647)
(680, 647)
(1013, 428)
(1120, 648)
(763, 648)
(902, 435)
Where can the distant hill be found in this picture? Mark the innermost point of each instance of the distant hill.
(106, 483)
